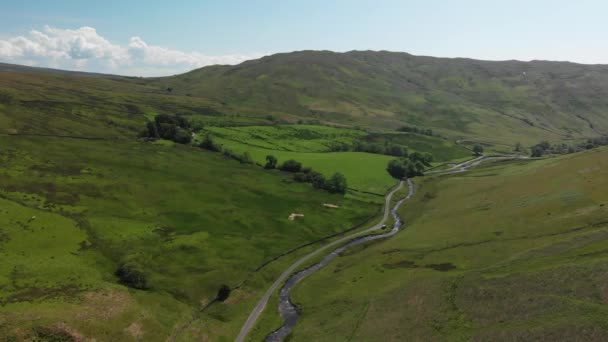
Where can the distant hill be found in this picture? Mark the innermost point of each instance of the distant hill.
(497, 102)
(457, 96)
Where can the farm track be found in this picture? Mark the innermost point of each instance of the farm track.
(261, 305)
(287, 309)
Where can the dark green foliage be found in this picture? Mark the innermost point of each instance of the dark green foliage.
(209, 144)
(132, 275)
(336, 184)
(223, 293)
(182, 136)
(478, 149)
(406, 168)
(271, 162)
(170, 127)
(544, 147)
(537, 151)
(396, 169)
(416, 130)
(291, 166)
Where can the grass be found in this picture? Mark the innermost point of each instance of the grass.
(74, 210)
(363, 171)
(513, 250)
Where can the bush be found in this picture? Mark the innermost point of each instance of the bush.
(209, 144)
(182, 136)
(478, 149)
(336, 184)
(271, 162)
(132, 275)
(291, 166)
(223, 293)
(170, 127)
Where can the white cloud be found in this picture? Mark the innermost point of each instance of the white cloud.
(85, 49)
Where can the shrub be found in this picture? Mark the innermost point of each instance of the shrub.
(336, 184)
(209, 144)
(291, 166)
(478, 149)
(271, 162)
(132, 275)
(223, 293)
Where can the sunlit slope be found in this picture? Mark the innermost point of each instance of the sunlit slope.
(515, 251)
(72, 211)
(495, 101)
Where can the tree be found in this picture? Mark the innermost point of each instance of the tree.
(291, 166)
(182, 136)
(131, 274)
(152, 130)
(537, 151)
(518, 147)
(336, 184)
(271, 162)
(478, 149)
(223, 293)
(317, 179)
(427, 159)
(209, 144)
(396, 169)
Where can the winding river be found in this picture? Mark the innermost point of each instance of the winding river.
(288, 310)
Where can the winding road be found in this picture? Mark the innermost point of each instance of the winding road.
(261, 305)
(286, 308)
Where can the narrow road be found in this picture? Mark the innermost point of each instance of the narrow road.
(289, 312)
(462, 167)
(261, 305)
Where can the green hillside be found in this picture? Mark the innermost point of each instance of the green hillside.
(74, 211)
(510, 251)
(494, 101)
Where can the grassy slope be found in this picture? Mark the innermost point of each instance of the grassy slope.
(500, 102)
(310, 144)
(496, 102)
(510, 251)
(74, 209)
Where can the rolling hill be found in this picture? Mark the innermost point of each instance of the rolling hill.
(496, 102)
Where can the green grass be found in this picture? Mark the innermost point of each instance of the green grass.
(75, 209)
(293, 138)
(513, 250)
(363, 171)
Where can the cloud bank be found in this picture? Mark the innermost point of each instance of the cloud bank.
(85, 50)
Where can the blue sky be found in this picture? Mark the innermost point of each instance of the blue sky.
(165, 37)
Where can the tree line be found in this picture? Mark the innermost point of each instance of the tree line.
(171, 127)
(544, 147)
(335, 184)
(411, 166)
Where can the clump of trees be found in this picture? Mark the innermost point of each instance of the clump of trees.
(170, 127)
(412, 129)
(544, 147)
(132, 275)
(271, 162)
(409, 167)
(387, 149)
(335, 184)
(223, 293)
(478, 149)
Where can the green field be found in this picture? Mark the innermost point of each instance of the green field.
(513, 250)
(363, 171)
(293, 138)
(75, 209)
